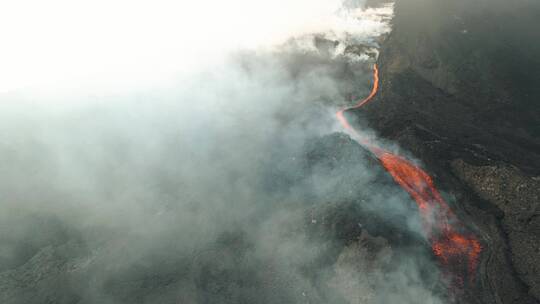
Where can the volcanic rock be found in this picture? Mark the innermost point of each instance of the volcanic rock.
(459, 90)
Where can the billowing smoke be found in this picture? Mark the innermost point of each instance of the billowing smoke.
(226, 184)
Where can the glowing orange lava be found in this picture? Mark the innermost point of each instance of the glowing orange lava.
(455, 249)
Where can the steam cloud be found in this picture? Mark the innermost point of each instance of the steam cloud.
(220, 188)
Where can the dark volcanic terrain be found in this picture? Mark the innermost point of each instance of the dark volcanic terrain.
(460, 90)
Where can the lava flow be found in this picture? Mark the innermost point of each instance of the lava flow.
(456, 250)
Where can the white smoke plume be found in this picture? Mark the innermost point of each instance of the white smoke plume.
(155, 152)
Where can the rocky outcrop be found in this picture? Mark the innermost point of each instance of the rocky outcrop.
(518, 197)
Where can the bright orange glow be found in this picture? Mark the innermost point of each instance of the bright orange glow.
(456, 250)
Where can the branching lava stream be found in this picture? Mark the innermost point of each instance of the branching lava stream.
(455, 249)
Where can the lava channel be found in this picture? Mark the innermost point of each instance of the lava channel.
(456, 250)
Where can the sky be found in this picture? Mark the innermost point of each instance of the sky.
(116, 45)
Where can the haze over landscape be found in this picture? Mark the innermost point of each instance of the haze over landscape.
(269, 152)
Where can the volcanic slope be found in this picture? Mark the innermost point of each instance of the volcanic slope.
(459, 89)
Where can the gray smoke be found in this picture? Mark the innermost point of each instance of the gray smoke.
(229, 188)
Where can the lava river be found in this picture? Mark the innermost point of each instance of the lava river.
(456, 250)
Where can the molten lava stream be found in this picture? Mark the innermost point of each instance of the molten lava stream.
(456, 250)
